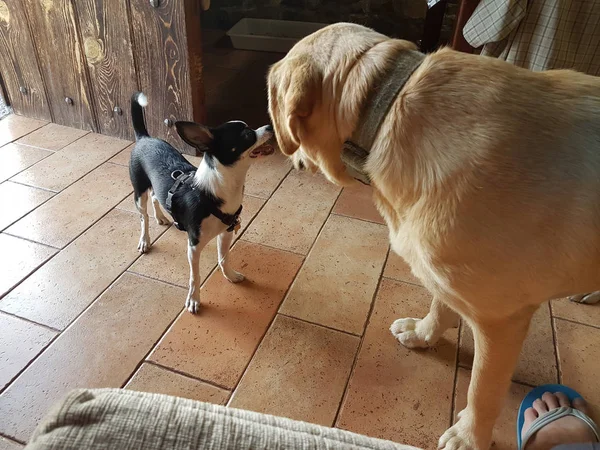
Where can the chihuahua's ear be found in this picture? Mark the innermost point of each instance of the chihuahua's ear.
(196, 135)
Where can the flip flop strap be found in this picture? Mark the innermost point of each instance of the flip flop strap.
(554, 415)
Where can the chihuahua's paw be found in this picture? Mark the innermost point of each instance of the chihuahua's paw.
(144, 244)
(163, 221)
(234, 277)
(192, 305)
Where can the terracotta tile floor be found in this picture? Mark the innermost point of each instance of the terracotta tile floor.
(305, 336)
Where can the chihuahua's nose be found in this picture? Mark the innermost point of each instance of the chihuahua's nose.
(269, 128)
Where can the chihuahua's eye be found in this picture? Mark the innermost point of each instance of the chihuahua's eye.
(247, 134)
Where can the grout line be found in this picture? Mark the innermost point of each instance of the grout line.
(597, 327)
(31, 240)
(27, 275)
(274, 248)
(35, 357)
(523, 383)
(403, 281)
(152, 347)
(554, 343)
(31, 186)
(11, 439)
(148, 277)
(358, 218)
(58, 150)
(30, 165)
(48, 327)
(60, 333)
(457, 365)
(30, 211)
(362, 340)
(327, 327)
(187, 375)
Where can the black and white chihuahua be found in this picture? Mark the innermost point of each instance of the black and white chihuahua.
(205, 202)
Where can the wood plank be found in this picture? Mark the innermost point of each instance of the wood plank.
(193, 11)
(19, 63)
(465, 11)
(160, 49)
(107, 49)
(54, 31)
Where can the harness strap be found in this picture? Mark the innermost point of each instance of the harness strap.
(231, 220)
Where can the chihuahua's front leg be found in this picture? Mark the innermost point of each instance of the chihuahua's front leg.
(223, 246)
(195, 246)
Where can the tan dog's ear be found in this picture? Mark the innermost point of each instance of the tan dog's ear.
(294, 90)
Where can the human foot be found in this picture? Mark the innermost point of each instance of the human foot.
(565, 430)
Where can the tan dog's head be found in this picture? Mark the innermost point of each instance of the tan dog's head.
(303, 100)
(317, 91)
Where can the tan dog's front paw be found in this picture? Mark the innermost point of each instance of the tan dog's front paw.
(410, 333)
(457, 438)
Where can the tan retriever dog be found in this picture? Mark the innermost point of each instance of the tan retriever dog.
(487, 175)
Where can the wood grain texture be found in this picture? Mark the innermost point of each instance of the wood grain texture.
(193, 11)
(160, 49)
(105, 35)
(19, 63)
(54, 29)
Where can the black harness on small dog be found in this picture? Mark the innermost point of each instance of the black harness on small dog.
(182, 178)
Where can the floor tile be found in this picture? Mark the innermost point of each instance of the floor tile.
(151, 378)
(122, 158)
(101, 349)
(18, 258)
(357, 201)
(504, 437)
(537, 362)
(52, 137)
(397, 269)
(217, 344)
(577, 312)
(293, 216)
(13, 127)
(396, 393)
(17, 200)
(336, 284)
(167, 260)
(15, 157)
(20, 342)
(265, 174)
(5, 444)
(61, 289)
(299, 371)
(69, 213)
(578, 355)
(71, 163)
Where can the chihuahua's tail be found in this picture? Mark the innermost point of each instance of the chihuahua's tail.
(138, 101)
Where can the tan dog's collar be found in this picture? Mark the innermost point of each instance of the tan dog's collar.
(356, 150)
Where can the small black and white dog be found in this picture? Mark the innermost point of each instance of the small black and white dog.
(205, 202)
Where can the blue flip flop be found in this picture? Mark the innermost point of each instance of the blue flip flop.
(551, 416)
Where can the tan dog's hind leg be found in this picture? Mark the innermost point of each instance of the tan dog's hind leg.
(423, 333)
(497, 347)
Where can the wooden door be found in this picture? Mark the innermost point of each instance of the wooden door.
(168, 59)
(53, 27)
(105, 35)
(18, 60)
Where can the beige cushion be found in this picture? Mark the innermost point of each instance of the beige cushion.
(122, 419)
